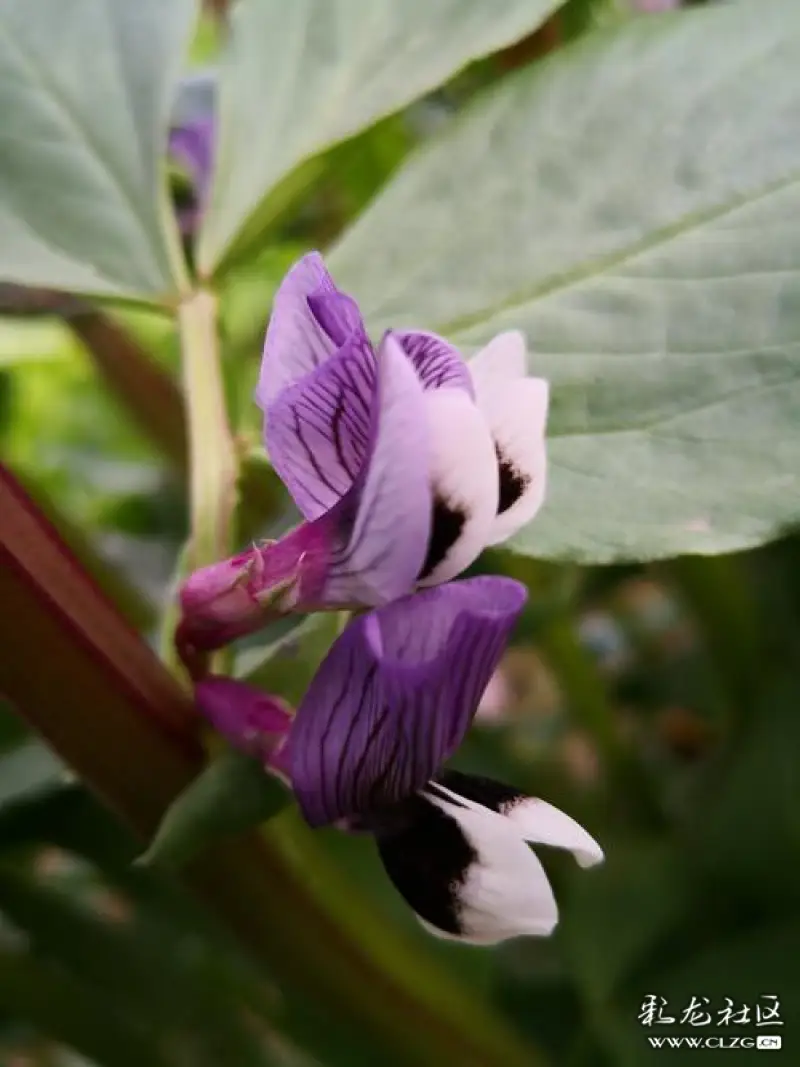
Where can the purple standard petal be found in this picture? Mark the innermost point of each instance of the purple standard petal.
(395, 695)
(318, 430)
(310, 320)
(383, 524)
(437, 362)
(367, 550)
(250, 720)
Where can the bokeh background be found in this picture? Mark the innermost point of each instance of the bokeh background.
(658, 703)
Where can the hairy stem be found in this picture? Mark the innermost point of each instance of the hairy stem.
(212, 486)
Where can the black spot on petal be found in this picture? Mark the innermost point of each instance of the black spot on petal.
(512, 483)
(446, 526)
(427, 858)
(486, 791)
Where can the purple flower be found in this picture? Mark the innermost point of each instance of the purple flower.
(479, 435)
(252, 721)
(191, 144)
(390, 703)
(405, 462)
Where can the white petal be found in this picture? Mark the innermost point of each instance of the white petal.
(464, 479)
(542, 824)
(505, 892)
(516, 414)
(504, 357)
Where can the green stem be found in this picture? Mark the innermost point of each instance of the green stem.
(211, 448)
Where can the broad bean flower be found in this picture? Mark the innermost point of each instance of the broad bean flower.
(405, 462)
(191, 145)
(390, 703)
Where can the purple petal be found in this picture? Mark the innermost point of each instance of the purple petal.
(192, 145)
(338, 315)
(297, 341)
(437, 362)
(387, 513)
(395, 695)
(366, 550)
(318, 429)
(252, 721)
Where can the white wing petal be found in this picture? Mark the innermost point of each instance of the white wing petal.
(504, 357)
(505, 892)
(542, 824)
(464, 479)
(516, 414)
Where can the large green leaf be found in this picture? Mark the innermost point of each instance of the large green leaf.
(300, 77)
(85, 93)
(632, 205)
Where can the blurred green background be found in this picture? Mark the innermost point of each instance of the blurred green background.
(659, 704)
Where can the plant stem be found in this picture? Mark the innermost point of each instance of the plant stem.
(211, 449)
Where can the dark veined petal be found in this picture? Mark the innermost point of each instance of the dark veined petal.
(383, 524)
(297, 342)
(437, 362)
(396, 694)
(318, 429)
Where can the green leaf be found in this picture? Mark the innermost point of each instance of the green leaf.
(630, 203)
(85, 94)
(301, 77)
(234, 793)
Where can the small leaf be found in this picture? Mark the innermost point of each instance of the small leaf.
(85, 91)
(630, 204)
(301, 77)
(233, 794)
